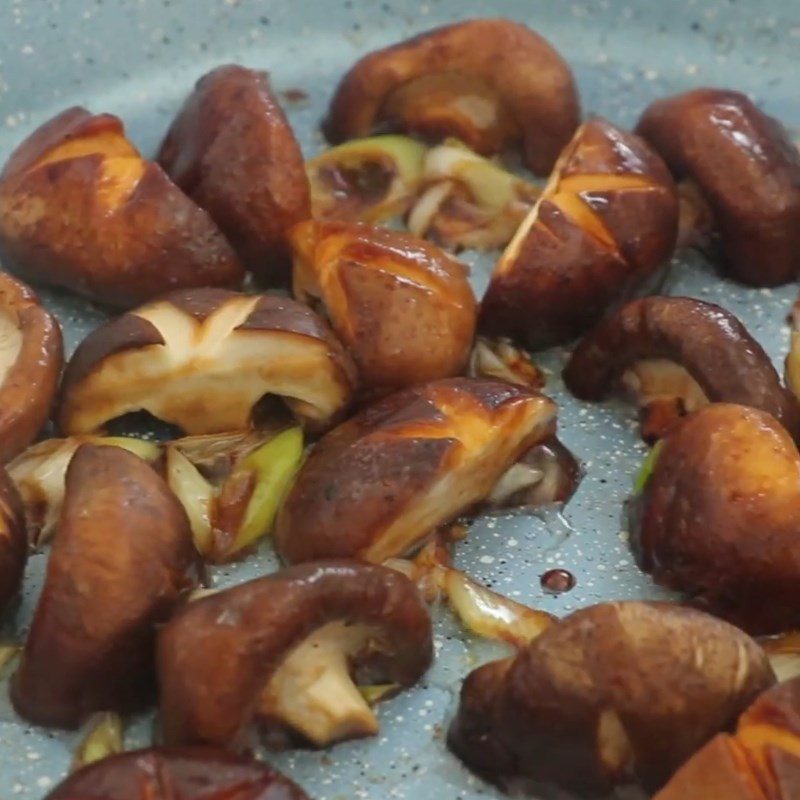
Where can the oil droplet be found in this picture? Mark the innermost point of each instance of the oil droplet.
(557, 581)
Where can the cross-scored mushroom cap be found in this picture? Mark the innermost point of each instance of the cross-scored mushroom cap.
(80, 208)
(719, 517)
(121, 558)
(31, 357)
(760, 762)
(492, 83)
(605, 223)
(747, 170)
(402, 306)
(202, 360)
(281, 650)
(681, 352)
(614, 694)
(379, 484)
(177, 773)
(13, 540)
(232, 150)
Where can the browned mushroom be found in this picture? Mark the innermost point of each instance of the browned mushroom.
(287, 651)
(746, 171)
(13, 540)
(121, 558)
(403, 307)
(169, 773)
(761, 762)
(379, 484)
(675, 355)
(604, 225)
(202, 360)
(492, 83)
(231, 149)
(80, 208)
(31, 357)
(614, 694)
(719, 517)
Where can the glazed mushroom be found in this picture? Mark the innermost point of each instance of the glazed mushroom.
(286, 652)
(760, 762)
(13, 540)
(188, 773)
(121, 559)
(604, 225)
(614, 694)
(368, 179)
(719, 517)
(379, 484)
(745, 173)
(31, 357)
(675, 355)
(80, 208)
(202, 360)
(403, 307)
(492, 83)
(231, 149)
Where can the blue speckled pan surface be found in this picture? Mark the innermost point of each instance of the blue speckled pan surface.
(138, 58)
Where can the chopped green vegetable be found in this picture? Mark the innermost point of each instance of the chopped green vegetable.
(104, 739)
(646, 470)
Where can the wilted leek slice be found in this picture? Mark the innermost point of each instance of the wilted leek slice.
(646, 470)
(39, 474)
(8, 654)
(366, 179)
(469, 201)
(273, 466)
(104, 739)
(374, 694)
(195, 494)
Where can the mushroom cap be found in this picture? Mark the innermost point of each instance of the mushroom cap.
(217, 655)
(748, 171)
(31, 359)
(604, 225)
(613, 693)
(709, 342)
(13, 540)
(80, 208)
(121, 558)
(498, 82)
(188, 773)
(232, 150)
(377, 485)
(202, 359)
(403, 307)
(719, 518)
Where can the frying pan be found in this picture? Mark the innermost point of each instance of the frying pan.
(138, 59)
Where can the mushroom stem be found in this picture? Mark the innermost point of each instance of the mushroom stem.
(312, 691)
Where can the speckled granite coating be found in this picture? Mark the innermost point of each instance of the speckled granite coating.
(138, 58)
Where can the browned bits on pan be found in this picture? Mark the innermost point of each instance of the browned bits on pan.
(379, 484)
(747, 171)
(190, 773)
(231, 149)
(203, 359)
(719, 517)
(675, 355)
(403, 307)
(605, 223)
(31, 357)
(616, 693)
(287, 651)
(760, 762)
(80, 208)
(121, 558)
(492, 83)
